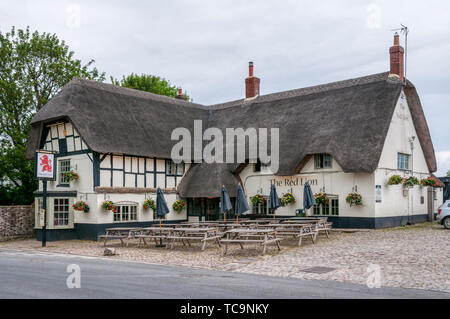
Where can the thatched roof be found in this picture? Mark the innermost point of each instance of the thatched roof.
(347, 119)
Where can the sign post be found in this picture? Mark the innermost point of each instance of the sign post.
(45, 170)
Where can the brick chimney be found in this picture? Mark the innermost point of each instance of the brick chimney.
(397, 61)
(180, 95)
(251, 83)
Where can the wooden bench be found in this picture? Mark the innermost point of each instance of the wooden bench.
(203, 234)
(241, 236)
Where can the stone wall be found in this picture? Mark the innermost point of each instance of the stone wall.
(16, 221)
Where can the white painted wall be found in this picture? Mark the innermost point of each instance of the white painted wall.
(331, 180)
(396, 201)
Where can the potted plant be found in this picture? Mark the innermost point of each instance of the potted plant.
(71, 176)
(178, 205)
(410, 182)
(430, 181)
(354, 199)
(287, 199)
(150, 203)
(81, 206)
(395, 180)
(321, 199)
(258, 199)
(108, 205)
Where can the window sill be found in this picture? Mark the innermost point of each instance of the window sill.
(63, 185)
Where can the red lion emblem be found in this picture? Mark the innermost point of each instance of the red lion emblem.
(46, 163)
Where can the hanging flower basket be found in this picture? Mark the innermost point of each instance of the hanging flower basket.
(178, 205)
(321, 199)
(81, 206)
(258, 199)
(354, 199)
(71, 176)
(430, 181)
(395, 180)
(410, 182)
(150, 203)
(108, 205)
(287, 199)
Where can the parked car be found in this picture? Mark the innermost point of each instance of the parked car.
(443, 215)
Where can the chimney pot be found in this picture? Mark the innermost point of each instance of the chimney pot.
(251, 83)
(180, 95)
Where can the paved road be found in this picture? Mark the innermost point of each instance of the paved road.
(43, 275)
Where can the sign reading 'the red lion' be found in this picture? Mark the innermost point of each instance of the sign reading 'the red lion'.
(45, 166)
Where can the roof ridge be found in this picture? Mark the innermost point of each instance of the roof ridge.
(320, 88)
(112, 88)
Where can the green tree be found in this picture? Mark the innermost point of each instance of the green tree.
(148, 83)
(33, 68)
(448, 173)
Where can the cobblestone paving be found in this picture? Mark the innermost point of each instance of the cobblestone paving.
(409, 257)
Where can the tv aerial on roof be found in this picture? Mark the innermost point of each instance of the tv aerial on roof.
(404, 30)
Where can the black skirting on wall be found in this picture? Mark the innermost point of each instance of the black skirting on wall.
(378, 222)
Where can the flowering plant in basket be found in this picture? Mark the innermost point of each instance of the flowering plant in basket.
(150, 203)
(287, 199)
(178, 205)
(354, 199)
(321, 199)
(430, 181)
(81, 206)
(258, 199)
(411, 181)
(71, 176)
(395, 180)
(108, 205)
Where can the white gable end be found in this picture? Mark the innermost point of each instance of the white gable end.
(401, 130)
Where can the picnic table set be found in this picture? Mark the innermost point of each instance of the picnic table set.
(243, 231)
(262, 233)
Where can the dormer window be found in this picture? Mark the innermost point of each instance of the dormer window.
(261, 167)
(322, 161)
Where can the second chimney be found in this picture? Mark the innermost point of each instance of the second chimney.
(180, 95)
(396, 52)
(251, 83)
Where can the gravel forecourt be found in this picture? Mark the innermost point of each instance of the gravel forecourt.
(408, 257)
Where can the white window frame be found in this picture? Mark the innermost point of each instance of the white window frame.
(331, 210)
(61, 176)
(260, 209)
(54, 219)
(320, 162)
(403, 161)
(131, 210)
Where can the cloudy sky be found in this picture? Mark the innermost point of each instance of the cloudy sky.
(205, 46)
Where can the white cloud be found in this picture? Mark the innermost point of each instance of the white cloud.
(443, 163)
(204, 46)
